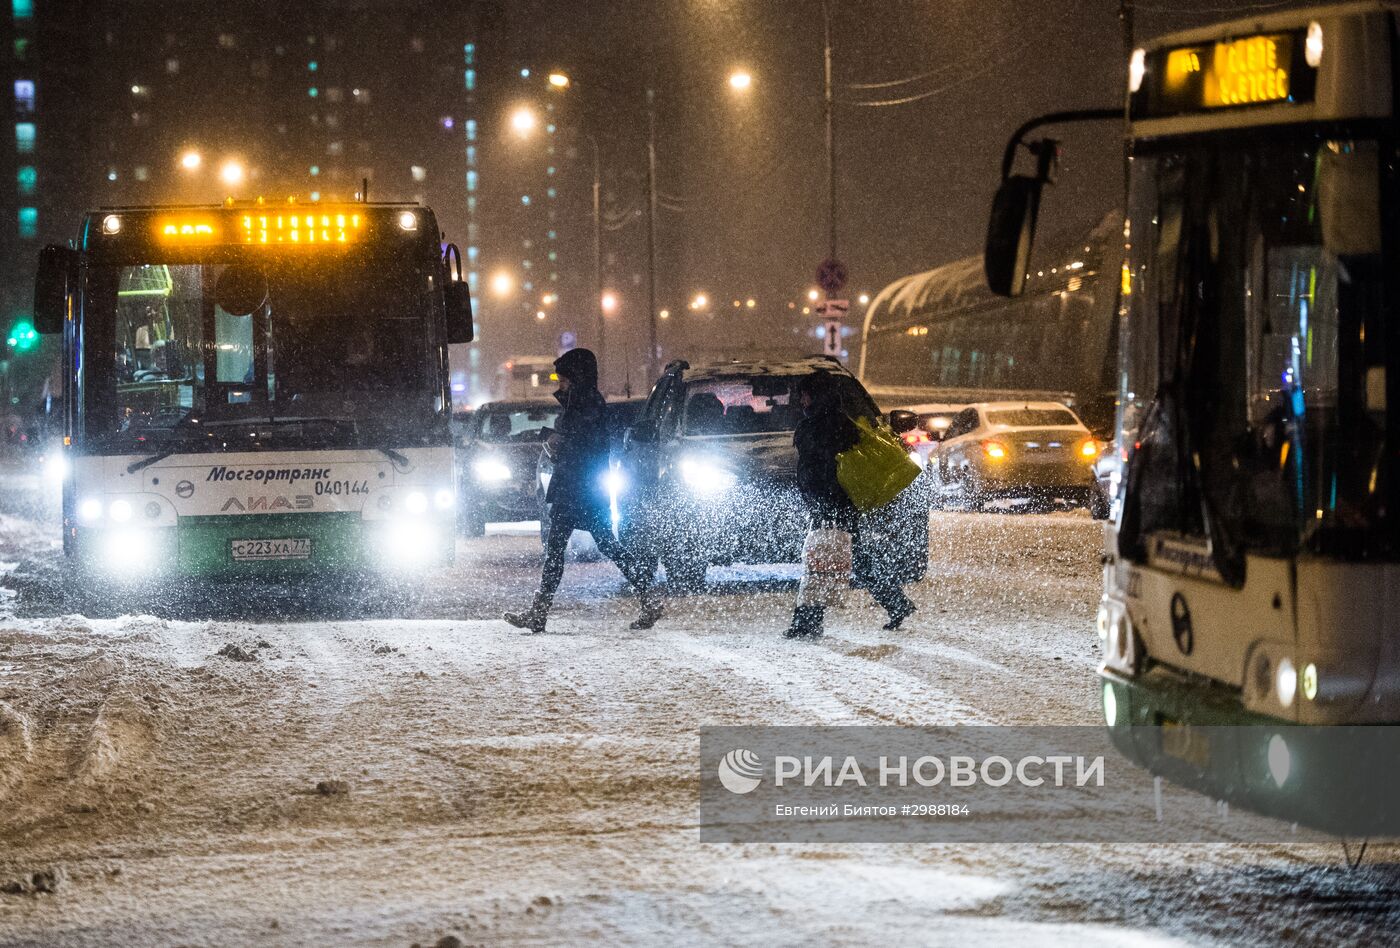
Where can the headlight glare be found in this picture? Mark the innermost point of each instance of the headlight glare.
(89, 511)
(706, 477)
(416, 502)
(444, 499)
(120, 511)
(1285, 682)
(491, 470)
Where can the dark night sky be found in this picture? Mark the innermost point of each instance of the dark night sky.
(915, 180)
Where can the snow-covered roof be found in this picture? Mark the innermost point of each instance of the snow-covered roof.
(765, 367)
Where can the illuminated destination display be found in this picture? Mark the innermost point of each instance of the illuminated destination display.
(1236, 73)
(262, 226)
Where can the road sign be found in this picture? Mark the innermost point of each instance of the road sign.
(831, 338)
(834, 309)
(831, 275)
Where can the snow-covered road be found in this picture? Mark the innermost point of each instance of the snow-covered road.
(247, 768)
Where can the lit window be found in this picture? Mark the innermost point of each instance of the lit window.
(473, 253)
(23, 9)
(471, 180)
(471, 130)
(29, 222)
(469, 54)
(471, 283)
(141, 172)
(471, 154)
(24, 95)
(549, 170)
(471, 205)
(524, 74)
(24, 137)
(315, 170)
(553, 256)
(315, 195)
(470, 77)
(552, 235)
(172, 66)
(419, 173)
(27, 178)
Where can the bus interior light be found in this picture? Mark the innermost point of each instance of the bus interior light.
(1312, 48)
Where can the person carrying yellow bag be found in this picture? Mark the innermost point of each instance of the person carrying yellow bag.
(823, 438)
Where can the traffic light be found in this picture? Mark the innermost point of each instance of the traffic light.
(22, 336)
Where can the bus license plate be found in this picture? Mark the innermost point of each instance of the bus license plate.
(1186, 743)
(292, 548)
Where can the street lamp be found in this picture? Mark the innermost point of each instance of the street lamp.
(559, 80)
(740, 80)
(700, 301)
(609, 302)
(232, 173)
(524, 121)
(502, 283)
(191, 160)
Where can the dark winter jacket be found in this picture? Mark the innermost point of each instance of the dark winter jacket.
(825, 432)
(580, 450)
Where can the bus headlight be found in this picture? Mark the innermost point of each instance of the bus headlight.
(1312, 48)
(1137, 69)
(1285, 682)
(491, 470)
(56, 469)
(408, 543)
(416, 502)
(128, 552)
(89, 511)
(1110, 705)
(444, 499)
(706, 477)
(120, 511)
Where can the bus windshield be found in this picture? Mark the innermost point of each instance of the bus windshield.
(1255, 353)
(343, 353)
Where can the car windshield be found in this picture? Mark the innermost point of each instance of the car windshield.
(239, 340)
(516, 425)
(1033, 418)
(758, 404)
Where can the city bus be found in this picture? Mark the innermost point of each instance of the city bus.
(255, 390)
(1254, 549)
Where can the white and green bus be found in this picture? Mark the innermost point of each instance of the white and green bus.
(256, 390)
(1253, 557)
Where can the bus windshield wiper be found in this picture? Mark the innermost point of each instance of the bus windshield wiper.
(398, 459)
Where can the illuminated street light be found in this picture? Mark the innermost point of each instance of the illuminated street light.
(609, 302)
(740, 80)
(549, 299)
(664, 314)
(191, 160)
(502, 283)
(558, 80)
(864, 298)
(232, 173)
(750, 302)
(700, 301)
(813, 295)
(524, 121)
(540, 314)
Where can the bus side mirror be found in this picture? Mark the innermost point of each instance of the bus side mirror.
(456, 294)
(1010, 234)
(458, 298)
(56, 269)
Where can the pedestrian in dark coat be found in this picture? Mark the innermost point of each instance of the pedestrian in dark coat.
(577, 497)
(824, 432)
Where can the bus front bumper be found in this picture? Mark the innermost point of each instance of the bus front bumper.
(275, 545)
(1336, 779)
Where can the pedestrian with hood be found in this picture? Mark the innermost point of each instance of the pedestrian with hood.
(577, 497)
(824, 432)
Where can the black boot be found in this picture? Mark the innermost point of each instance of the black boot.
(899, 611)
(806, 623)
(532, 619)
(651, 611)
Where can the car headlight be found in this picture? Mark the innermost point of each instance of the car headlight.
(614, 482)
(706, 477)
(89, 511)
(444, 499)
(491, 470)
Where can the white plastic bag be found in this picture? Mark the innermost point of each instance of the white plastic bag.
(826, 567)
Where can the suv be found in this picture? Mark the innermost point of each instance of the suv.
(709, 472)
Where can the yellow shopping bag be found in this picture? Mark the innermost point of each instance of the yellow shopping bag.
(877, 468)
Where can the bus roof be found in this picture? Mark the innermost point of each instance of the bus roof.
(1272, 21)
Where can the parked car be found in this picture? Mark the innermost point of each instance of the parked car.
(497, 461)
(1037, 451)
(709, 472)
(933, 420)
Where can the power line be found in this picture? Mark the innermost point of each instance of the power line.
(917, 97)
